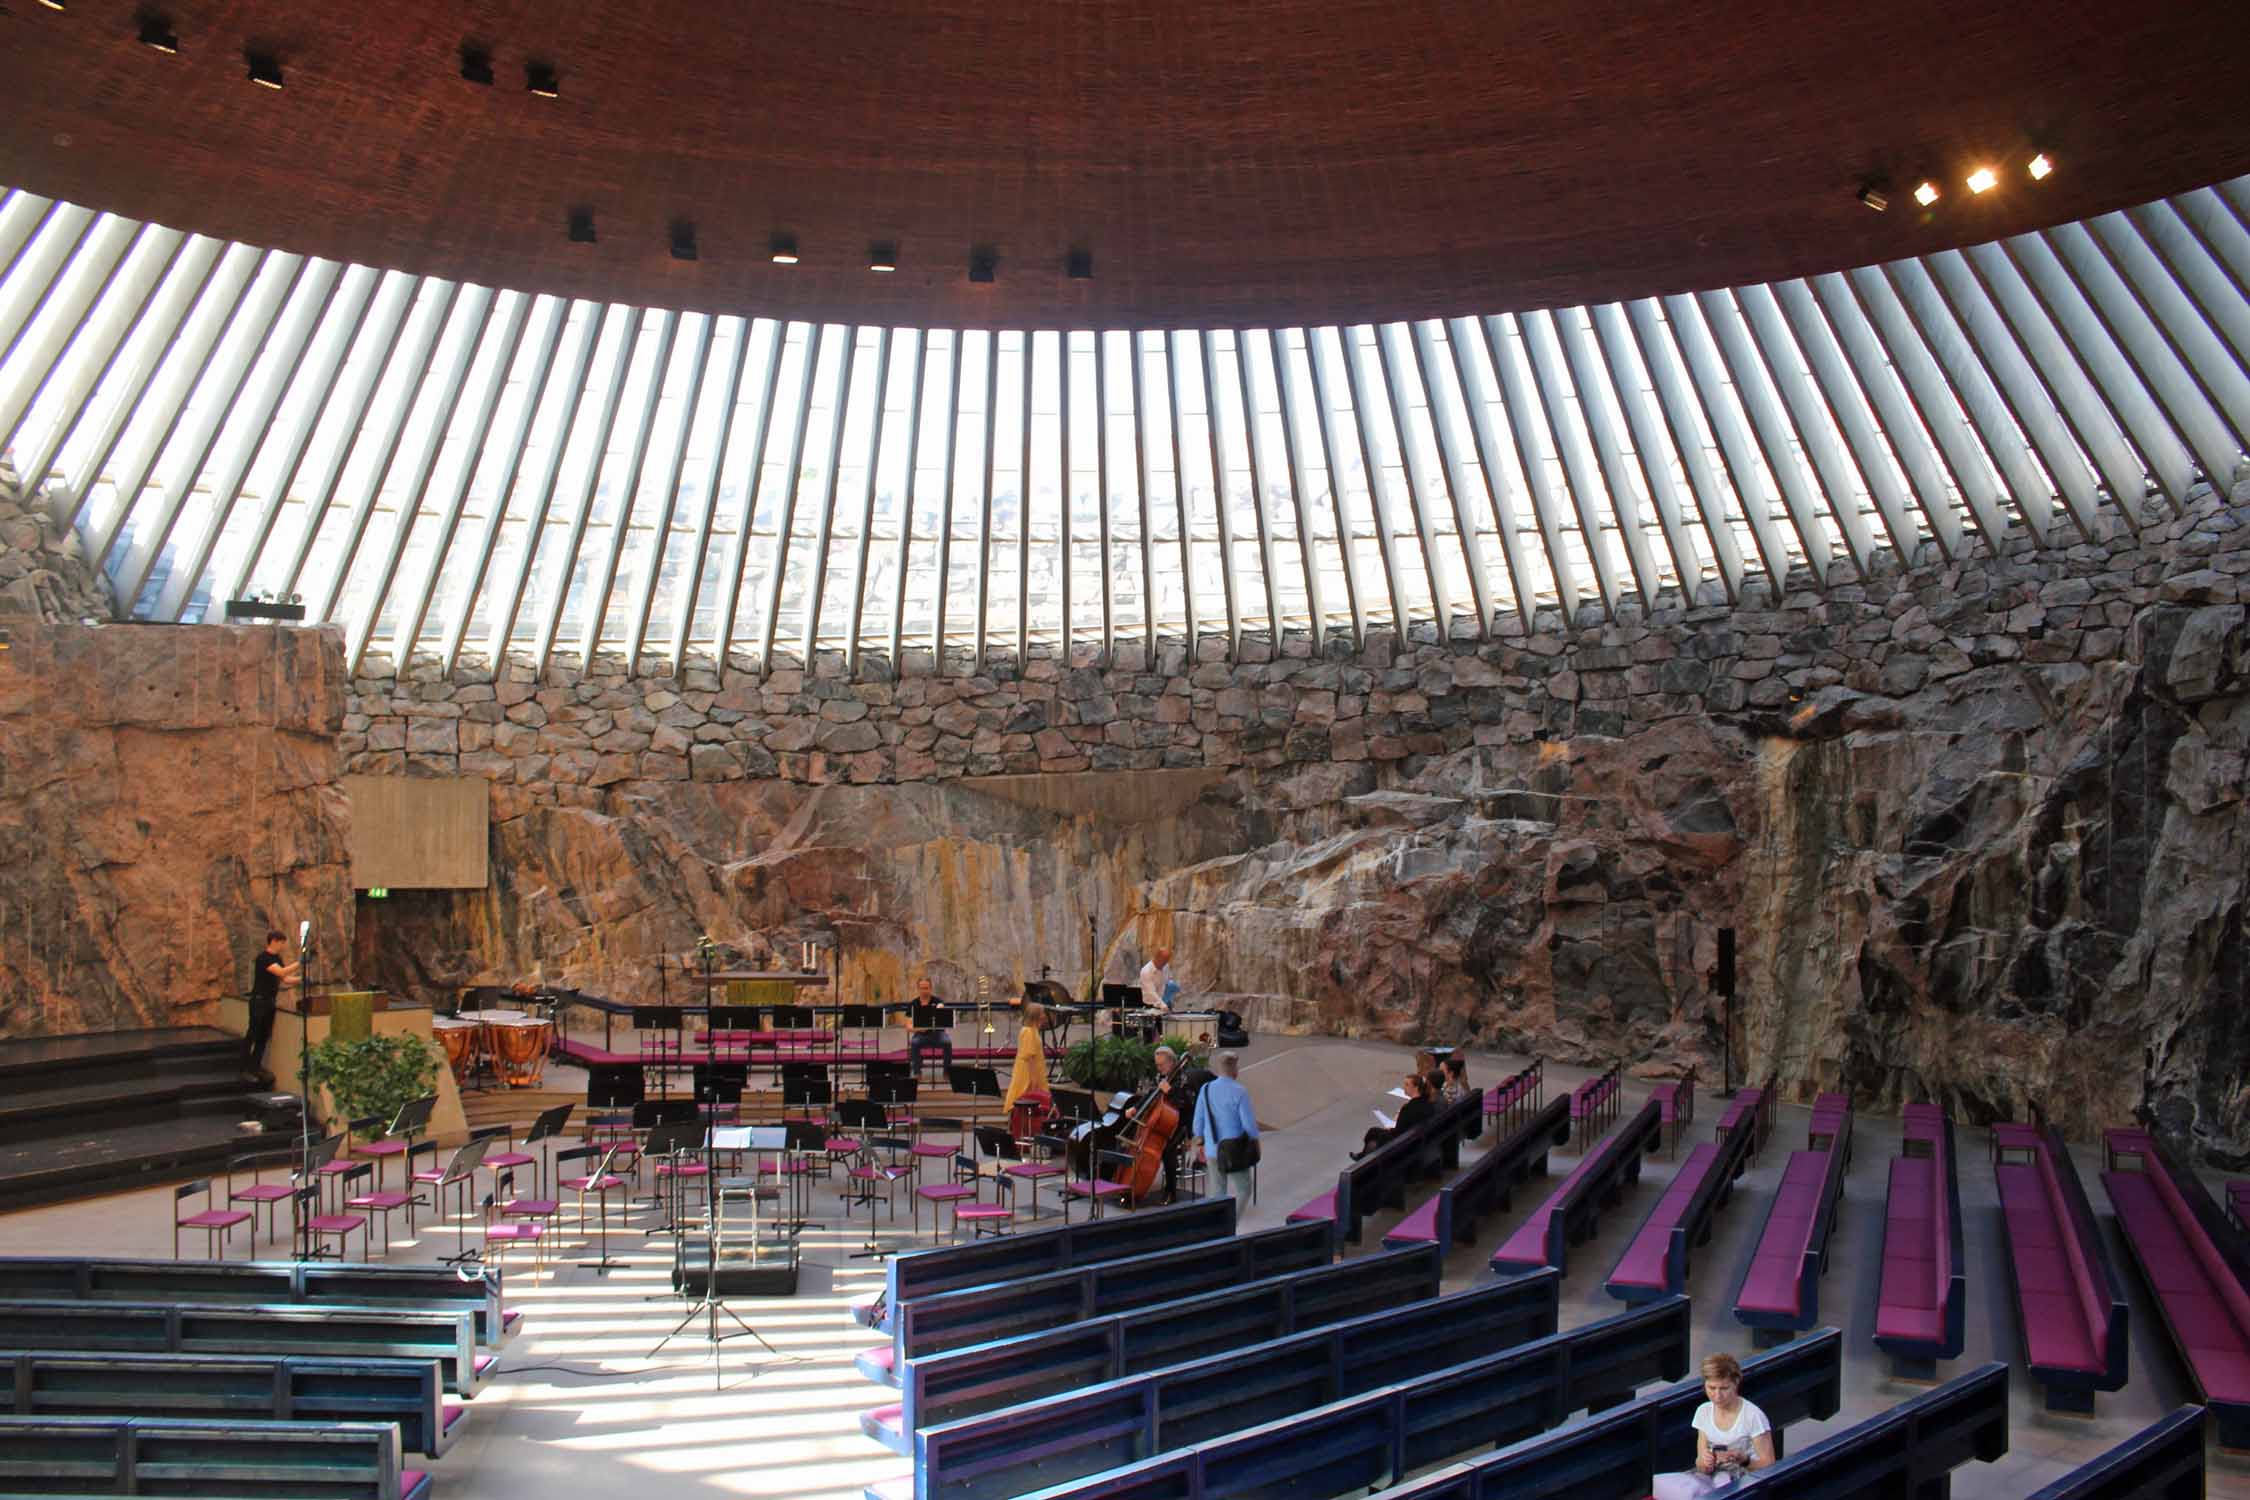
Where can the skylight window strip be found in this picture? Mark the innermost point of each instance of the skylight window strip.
(254, 315)
(1724, 420)
(1421, 488)
(817, 579)
(92, 352)
(2106, 402)
(27, 283)
(815, 339)
(628, 324)
(1446, 428)
(1305, 354)
(1818, 442)
(950, 444)
(1591, 379)
(1884, 414)
(249, 429)
(1101, 497)
(2206, 391)
(907, 497)
(1656, 456)
(2221, 220)
(737, 553)
(1807, 512)
(1023, 511)
(2070, 471)
(1263, 481)
(1066, 491)
(63, 321)
(1463, 338)
(2218, 301)
(1143, 480)
(641, 598)
(861, 549)
(1525, 408)
(1344, 345)
(984, 511)
(411, 375)
(22, 216)
(1235, 438)
(592, 320)
(712, 487)
(1181, 490)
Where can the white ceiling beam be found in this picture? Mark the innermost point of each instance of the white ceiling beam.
(824, 524)
(737, 558)
(2172, 315)
(1525, 410)
(816, 334)
(869, 464)
(630, 327)
(1597, 409)
(1422, 488)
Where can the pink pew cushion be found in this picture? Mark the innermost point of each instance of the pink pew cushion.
(1418, 1227)
(1315, 1210)
(413, 1484)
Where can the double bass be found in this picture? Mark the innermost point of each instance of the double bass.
(1145, 1137)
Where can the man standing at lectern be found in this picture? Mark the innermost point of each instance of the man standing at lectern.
(267, 975)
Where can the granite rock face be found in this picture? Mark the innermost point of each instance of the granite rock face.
(44, 574)
(166, 794)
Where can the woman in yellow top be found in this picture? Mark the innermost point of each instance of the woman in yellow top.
(1030, 1075)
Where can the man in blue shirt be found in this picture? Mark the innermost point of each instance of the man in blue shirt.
(1223, 1114)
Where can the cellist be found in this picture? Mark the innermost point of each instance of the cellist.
(1173, 1087)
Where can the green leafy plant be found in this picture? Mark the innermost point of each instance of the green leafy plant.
(374, 1075)
(1109, 1063)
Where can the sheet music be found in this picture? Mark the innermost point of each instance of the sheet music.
(1384, 1120)
(1400, 1094)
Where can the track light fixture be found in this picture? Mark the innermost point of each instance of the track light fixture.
(264, 68)
(1983, 180)
(157, 35)
(476, 65)
(1926, 194)
(983, 260)
(782, 250)
(541, 78)
(882, 256)
(582, 226)
(54, 4)
(683, 240)
(1875, 196)
(2040, 167)
(1079, 265)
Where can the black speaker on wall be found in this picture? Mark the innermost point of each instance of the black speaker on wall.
(1724, 982)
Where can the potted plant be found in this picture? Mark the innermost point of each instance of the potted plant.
(374, 1075)
(1110, 1063)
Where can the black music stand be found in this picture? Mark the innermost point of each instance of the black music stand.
(801, 1139)
(976, 1083)
(742, 1018)
(659, 1019)
(718, 1083)
(1117, 999)
(671, 1143)
(614, 1086)
(861, 1019)
(924, 1018)
(604, 1158)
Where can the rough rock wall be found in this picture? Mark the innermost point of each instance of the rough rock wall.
(166, 794)
(44, 574)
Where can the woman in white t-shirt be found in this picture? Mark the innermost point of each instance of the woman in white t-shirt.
(1733, 1439)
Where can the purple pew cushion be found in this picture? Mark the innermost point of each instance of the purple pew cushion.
(2054, 1332)
(1417, 1228)
(1317, 1210)
(2058, 1334)
(413, 1484)
(450, 1414)
(1642, 1264)
(885, 1424)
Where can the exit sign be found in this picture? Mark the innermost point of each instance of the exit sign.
(378, 892)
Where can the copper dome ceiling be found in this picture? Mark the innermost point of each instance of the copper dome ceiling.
(1250, 162)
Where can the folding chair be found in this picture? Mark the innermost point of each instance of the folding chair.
(258, 1192)
(454, 1174)
(600, 1181)
(314, 1228)
(412, 1119)
(548, 1126)
(382, 1201)
(511, 1229)
(1009, 1168)
(215, 1222)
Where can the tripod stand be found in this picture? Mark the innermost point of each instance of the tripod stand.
(709, 1299)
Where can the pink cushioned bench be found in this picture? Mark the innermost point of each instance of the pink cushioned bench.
(1921, 1309)
(1655, 1264)
(1572, 1209)
(1517, 1096)
(1751, 1109)
(1379, 1179)
(1449, 1216)
(1594, 1104)
(2068, 1303)
(1675, 1103)
(2193, 1263)
(1780, 1292)
(414, 1484)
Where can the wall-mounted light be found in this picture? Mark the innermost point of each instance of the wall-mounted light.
(882, 256)
(542, 79)
(476, 65)
(157, 35)
(782, 250)
(54, 4)
(582, 226)
(264, 69)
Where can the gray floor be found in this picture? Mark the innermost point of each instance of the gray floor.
(581, 1408)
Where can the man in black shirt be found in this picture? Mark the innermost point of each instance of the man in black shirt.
(267, 975)
(930, 1020)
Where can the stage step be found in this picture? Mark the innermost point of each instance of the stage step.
(102, 1113)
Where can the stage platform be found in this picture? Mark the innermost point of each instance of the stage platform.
(770, 1055)
(90, 1114)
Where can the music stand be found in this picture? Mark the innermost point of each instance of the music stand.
(710, 1300)
(671, 1142)
(861, 1019)
(1117, 999)
(718, 1083)
(462, 1169)
(659, 1019)
(976, 1083)
(614, 1086)
(742, 1018)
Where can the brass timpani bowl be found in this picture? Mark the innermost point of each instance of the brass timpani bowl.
(520, 1051)
(459, 1038)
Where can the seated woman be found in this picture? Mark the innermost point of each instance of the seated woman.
(1456, 1076)
(1733, 1439)
(1417, 1109)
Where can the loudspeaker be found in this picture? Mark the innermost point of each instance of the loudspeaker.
(1724, 984)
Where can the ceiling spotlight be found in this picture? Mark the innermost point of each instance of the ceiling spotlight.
(782, 250)
(1874, 197)
(982, 261)
(1983, 180)
(882, 256)
(156, 33)
(54, 4)
(1079, 265)
(476, 65)
(582, 226)
(2040, 167)
(1926, 194)
(683, 240)
(265, 69)
(542, 79)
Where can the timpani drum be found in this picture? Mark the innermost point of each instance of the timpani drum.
(520, 1049)
(459, 1038)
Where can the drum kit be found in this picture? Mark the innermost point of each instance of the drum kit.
(512, 1044)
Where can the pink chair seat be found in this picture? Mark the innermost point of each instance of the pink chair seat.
(335, 1223)
(1031, 1170)
(684, 1169)
(218, 1218)
(839, 1146)
(384, 1201)
(601, 1184)
(945, 1192)
(333, 1168)
(532, 1208)
(512, 1159)
(518, 1233)
(983, 1213)
(261, 1192)
(380, 1148)
(926, 1148)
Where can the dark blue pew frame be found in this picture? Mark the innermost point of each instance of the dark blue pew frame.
(1694, 1225)
(2073, 1390)
(1061, 1358)
(129, 1435)
(922, 1273)
(2163, 1461)
(283, 1392)
(1315, 1368)
(109, 1279)
(1363, 1441)
(1768, 1329)
(1912, 1449)
(246, 1328)
(1578, 1207)
(1492, 1179)
(1378, 1180)
(1917, 1359)
(934, 1324)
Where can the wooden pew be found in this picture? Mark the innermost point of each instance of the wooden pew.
(1449, 1216)
(1379, 1179)
(1751, 1110)
(1909, 1450)
(159, 1456)
(1517, 1095)
(1655, 1264)
(2070, 1305)
(272, 1387)
(2163, 1461)
(443, 1335)
(975, 1314)
(1921, 1310)
(90, 1279)
(1594, 1105)
(1345, 1448)
(1449, 1388)
(2196, 1267)
(1006, 1257)
(1779, 1293)
(985, 1377)
(1571, 1211)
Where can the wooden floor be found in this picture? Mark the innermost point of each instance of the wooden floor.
(563, 1084)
